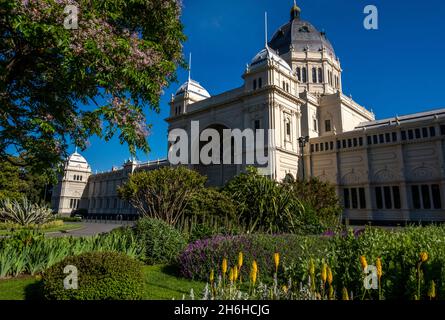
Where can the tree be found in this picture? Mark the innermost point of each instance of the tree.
(163, 193)
(61, 84)
(17, 182)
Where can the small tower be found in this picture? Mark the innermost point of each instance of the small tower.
(190, 92)
(267, 68)
(69, 195)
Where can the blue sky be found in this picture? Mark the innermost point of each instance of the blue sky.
(398, 69)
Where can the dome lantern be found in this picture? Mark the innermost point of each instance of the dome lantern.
(295, 12)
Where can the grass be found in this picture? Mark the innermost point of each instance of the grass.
(161, 283)
(19, 288)
(65, 227)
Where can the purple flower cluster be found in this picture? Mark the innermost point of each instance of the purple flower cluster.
(200, 257)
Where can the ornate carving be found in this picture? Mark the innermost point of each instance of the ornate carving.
(351, 178)
(384, 175)
(422, 173)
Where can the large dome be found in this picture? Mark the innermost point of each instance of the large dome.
(301, 35)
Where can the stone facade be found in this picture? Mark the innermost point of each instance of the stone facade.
(387, 170)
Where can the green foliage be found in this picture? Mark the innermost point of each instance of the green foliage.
(210, 212)
(162, 243)
(163, 193)
(24, 213)
(264, 204)
(101, 276)
(16, 226)
(210, 202)
(321, 197)
(29, 252)
(207, 226)
(18, 180)
(61, 85)
(399, 252)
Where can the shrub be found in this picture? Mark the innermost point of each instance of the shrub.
(24, 213)
(163, 193)
(200, 257)
(101, 276)
(321, 197)
(210, 202)
(162, 243)
(266, 205)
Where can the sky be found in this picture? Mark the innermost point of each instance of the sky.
(396, 70)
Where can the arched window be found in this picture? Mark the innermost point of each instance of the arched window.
(284, 85)
(320, 75)
(304, 75)
(254, 84)
(287, 87)
(260, 83)
(299, 73)
(314, 75)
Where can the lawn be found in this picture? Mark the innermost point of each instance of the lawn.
(160, 284)
(65, 227)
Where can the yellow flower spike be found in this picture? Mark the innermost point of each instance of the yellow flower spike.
(254, 272)
(324, 273)
(345, 295)
(255, 266)
(363, 262)
(240, 260)
(330, 277)
(378, 265)
(212, 276)
(312, 268)
(253, 277)
(284, 288)
(432, 290)
(276, 259)
(224, 266)
(231, 275)
(423, 256)
(235, 273)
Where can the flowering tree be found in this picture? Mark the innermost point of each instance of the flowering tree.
(71, 69)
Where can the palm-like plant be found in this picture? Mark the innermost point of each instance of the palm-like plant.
(23, 212)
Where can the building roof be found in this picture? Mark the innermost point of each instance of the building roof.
(193, 87)
(420, 116)
(301, 35)
(268, 54)
(76, 162)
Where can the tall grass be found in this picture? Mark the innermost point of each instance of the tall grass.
(31, 254)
